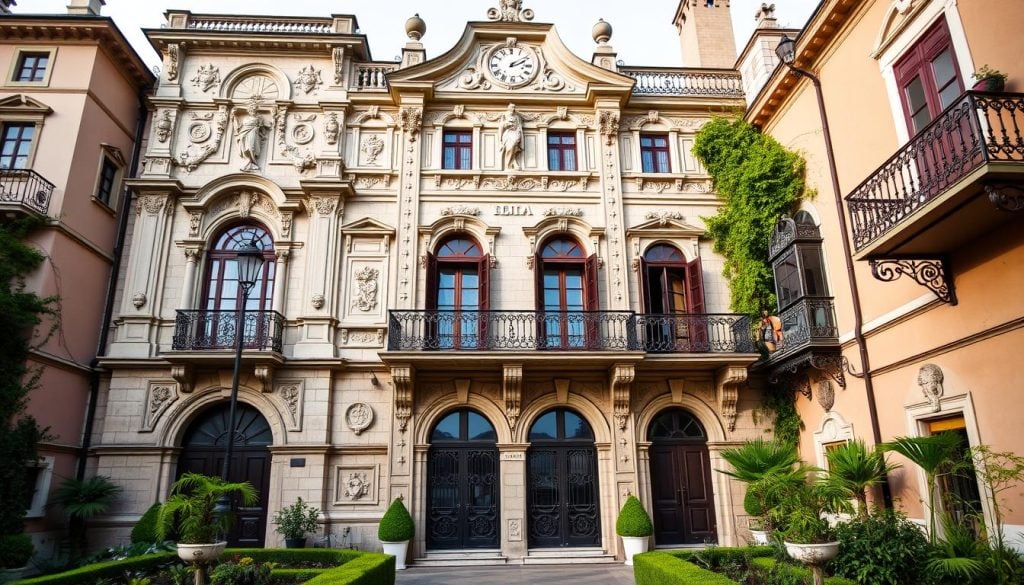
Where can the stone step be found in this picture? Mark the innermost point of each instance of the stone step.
(572, 556)
(461, 559)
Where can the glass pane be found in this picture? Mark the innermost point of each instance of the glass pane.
(944, 68)
(465, 158)
(570, 160)
(576, 427)
(470, 280)
(663, 166)
(814, 271)
(949, 94)
(446, 298)
(646, 141)
(449, 158)
(554, 161)
(551, 300)
(545, 428)
(446, 279)
(470, 299)
(447, 429)
(574, 300)
(480, 428)
(551, 279)
(573, 280)
(647, 161)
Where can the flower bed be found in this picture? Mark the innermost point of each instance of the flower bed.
(686, 567)
(308, 566)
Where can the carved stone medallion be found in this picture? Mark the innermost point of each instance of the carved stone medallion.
(359, 417)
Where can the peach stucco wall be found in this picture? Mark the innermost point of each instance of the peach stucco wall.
(977, 342)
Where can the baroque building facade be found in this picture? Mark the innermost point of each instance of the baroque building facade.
(486, 288)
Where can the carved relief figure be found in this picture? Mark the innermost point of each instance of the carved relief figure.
(206, 77)
(164, 126)
(366, 289)
(250, 133)
(930, 378)
(511, 127)
(371, 148)
(357, 485)
(331, 128)
(308, 79)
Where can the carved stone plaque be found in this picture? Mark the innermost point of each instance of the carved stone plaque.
(356, 485)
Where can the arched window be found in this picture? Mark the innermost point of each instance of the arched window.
(458, 291)
(566, 287)
(673, 293)
(222, 291)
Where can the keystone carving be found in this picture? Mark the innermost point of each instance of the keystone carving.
(728, 382)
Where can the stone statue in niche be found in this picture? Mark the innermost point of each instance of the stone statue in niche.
(250, 133)
(511, 127)
(930, 379)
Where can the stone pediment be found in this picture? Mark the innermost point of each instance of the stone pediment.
(665, 224)
(367, 225)
(502, 58)
(23, 104)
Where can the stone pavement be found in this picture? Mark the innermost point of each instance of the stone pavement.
(597, 574)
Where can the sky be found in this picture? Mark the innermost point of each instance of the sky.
(641, 38)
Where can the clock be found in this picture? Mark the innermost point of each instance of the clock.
(512, 66)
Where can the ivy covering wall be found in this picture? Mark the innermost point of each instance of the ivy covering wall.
(758, 180)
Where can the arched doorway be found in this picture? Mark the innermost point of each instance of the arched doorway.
(462, 483)
(203, 452)
(562, 498)
(683, 502)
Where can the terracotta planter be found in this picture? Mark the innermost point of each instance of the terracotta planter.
(812, 554)
(200, 553)
(295, 542)
(634, 545)
(993, 84)
(760, 536)
(397, 550)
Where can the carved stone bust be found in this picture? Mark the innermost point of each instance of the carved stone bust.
(930, 379)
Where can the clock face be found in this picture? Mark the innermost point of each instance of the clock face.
(512, 66)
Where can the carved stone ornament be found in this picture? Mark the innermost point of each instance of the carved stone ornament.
(206, 77)
(359, 417)
(308, 79)
(303, 133)
(139, 300)
(290, 395)
(195, 155)
(460, 210)
(331, 128)
(366, 289)
(173, 56)
(357, 485)
(195, 223)
(325, 205)
(410, 120)
(608, 121)
(622, 385)
(563, 211)
(160, 397)
(515, 529)
(930, 379)
(510, 11)
(164, 126)
(250, 133)
(826, 395)
(512, 391)
(664, 216)
(318, 301)
(371, 148)
(728, 381)
(199, 132)
(151, 204)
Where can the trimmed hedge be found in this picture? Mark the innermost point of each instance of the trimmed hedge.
(675, 567)
(633, 520)
(396, 525)
(767, 564)
(97, 571)
(368, 569)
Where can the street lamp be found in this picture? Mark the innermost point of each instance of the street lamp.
(786, 51)
(249, 262)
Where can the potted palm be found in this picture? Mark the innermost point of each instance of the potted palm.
(856, 469)
(395, 531)
(988, 79)
(635, 528)
(761, 464)
(15, 552)
(295, 522)
(191, 510)
(802, 513)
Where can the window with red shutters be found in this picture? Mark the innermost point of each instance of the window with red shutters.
(928, 77)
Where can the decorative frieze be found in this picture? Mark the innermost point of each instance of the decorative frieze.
(563, 211)
(664, 217)
(362, 338)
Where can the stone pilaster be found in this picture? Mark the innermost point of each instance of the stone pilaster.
(513, 499)
(319, 299)
(411, 122)
(616, 275)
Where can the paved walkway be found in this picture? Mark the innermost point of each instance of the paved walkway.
(599, 574)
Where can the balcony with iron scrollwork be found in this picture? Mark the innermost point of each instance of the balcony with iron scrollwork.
(809, 329)
(670, 81)
(24, 192)
(213, 334)
(957, 179)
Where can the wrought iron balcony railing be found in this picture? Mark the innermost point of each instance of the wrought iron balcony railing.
(217, 330)
(977, 129)
(568, 331)
(27, 188)
(682, 82)
(695, 333)
(810, 321)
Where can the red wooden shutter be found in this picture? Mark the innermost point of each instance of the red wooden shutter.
(431, 290)
(538, 278)
(484, 271)
(645, 291)
(593, 302)
(695, 305)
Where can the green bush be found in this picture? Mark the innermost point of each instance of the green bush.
(108, 570)
(396, 525)
(633, 519)
(15, 550)
(793, 574)
(297, 520)
(882, 549)
(245, 571)
(295, 557)
(659, 568)
(367, 569)
(145, 529)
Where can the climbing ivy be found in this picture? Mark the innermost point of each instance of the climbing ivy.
(758, 180)
(21, 310)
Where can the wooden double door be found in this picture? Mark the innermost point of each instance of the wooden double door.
(681, 491)
(203, 452)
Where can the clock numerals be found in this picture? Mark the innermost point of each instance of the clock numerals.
(512, 65)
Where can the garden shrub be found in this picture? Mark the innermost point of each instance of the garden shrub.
(660, 568)
(145, 529)
(15, 550)
(245, 571)
(367, 569)
(881, 549)
(771, 572)
(633, 520)
(107, 570)
(396, 525)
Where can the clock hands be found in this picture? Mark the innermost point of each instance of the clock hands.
(519, 62)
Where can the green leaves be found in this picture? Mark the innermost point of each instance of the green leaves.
(855, 468)
(758, 180)
(633, 519)
(192, 502)
(396, 525)
(929, 453)
(83, 499)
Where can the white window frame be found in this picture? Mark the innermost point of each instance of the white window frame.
(42, 488)
(114, 155)
(15, 66)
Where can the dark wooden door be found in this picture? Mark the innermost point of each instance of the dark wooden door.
(204, 453)
(683, 499)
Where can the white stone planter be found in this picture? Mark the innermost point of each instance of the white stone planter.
(812, 554)
(200, 553)
(634, 545)
(7, 575)
(760, 536)
(397, 550)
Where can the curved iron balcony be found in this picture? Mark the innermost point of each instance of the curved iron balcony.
(26, 189)
(809, 322)
(201, 330)
(568, 331)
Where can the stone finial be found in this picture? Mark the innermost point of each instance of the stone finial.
(5, 6)
(765, 16)
(86, 7)
(602, 32)
(415, 27)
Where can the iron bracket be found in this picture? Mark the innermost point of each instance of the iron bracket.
(932, 273)
(1009, 198)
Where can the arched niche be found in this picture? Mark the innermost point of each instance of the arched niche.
(182, 415)
(550, 227)
(256, 79)
(460, 222)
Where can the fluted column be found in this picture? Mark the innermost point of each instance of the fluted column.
(281, 281)
(188, 284)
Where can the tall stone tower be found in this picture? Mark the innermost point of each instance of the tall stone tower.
(705, 33)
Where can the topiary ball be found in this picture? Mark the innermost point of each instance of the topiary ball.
(145, 529)
(396, 525)
(633, 520)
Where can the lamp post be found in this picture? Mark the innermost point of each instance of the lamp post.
(786, 51)
(250, 267)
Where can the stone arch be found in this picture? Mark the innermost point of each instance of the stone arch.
(440, 408)
(587, 235)
(186, 411)
(236, 77)
(686, 251)
(592, 413)
(233, 197)
(385, 118)
(470, 120)
(460, 223)
(702, 411)
(652, 121)
(237, 182)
